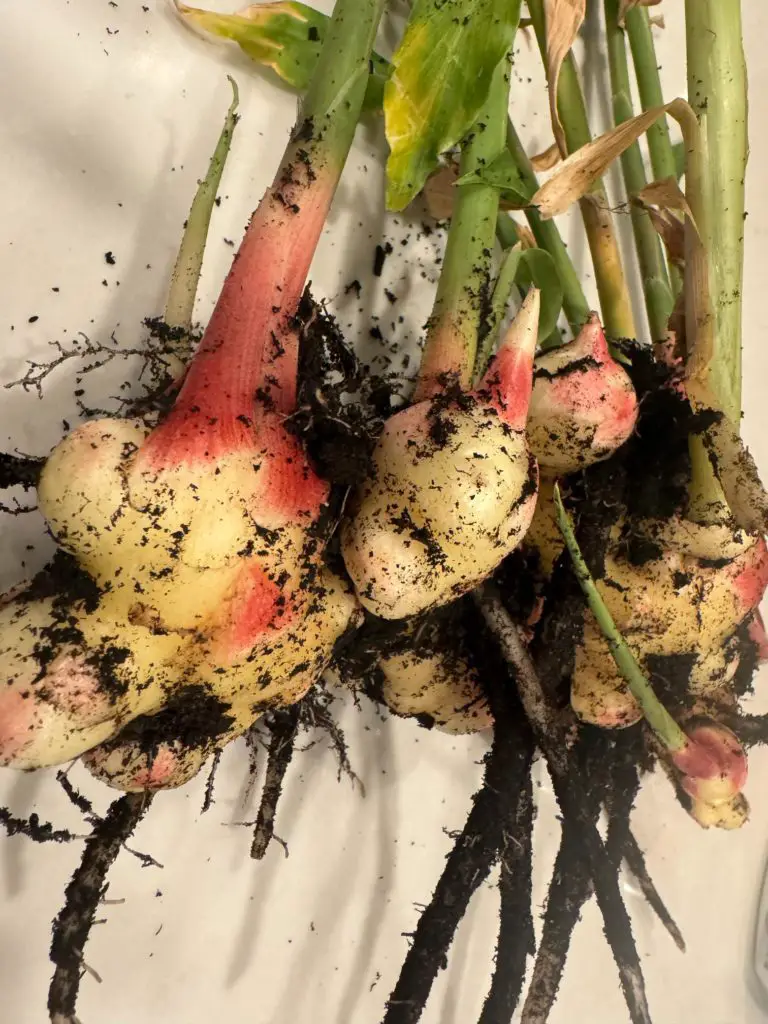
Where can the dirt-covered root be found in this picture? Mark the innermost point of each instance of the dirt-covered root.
(72, 927)
(554, 738)
(516, 939)
(283, 726)
(490, 829)
(570, 888)
(315, 713)
(34, 829)
(19, 471)
(622, 844)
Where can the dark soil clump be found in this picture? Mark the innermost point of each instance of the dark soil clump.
(19, 471)
(339, 402)
(192, 717)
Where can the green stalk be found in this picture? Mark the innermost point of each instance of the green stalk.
(658, 296)
(615, 303)
(663, 162)
(640, 36)
(656, 715)
(503, 287)
(507, 235)
(717, 90)
(457, 316)
(506, 231)
(548, 237)
(334, 98)
(189, 261)
(252, 342)
(295, 68)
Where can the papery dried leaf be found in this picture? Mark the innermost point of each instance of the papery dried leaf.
(439, 192)
(671, 350)
(658, 21)
(525, 235)
(671, 230)
(548, 159)
(575, 176)
(626, 5)
(563, 19)
(659, 199)
(667, 195)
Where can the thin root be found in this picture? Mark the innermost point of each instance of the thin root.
(83, 895)
(283, 728)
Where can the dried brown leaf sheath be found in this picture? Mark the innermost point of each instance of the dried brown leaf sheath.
(563, 21)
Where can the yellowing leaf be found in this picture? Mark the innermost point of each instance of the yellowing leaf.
(285, 36)
(563, 20)
(440, 79)
(671, 230)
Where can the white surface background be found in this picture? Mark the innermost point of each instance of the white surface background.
(108, 114)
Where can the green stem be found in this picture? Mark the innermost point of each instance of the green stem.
(658, 297)
(640, 36)
(334, 98)
(503, 287)
(717, 90)
(663, 162)
(615, 303)
(506, 231)
(548, 237)
(189, 262)
(657, 716)
(507, 235)
(457, 316)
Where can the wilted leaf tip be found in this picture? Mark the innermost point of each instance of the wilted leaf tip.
(625, 6)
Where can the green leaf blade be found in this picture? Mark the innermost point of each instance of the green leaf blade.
(503, 174)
